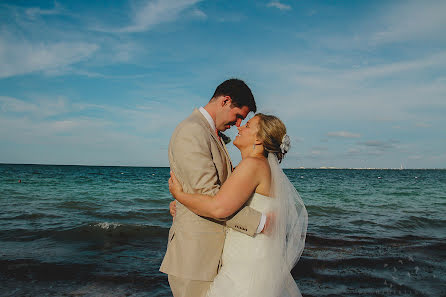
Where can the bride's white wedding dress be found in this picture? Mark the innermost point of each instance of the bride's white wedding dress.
(242, 257)
(260, 266)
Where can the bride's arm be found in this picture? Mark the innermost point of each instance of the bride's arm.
(232, 195)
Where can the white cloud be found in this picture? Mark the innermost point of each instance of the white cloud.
(199, 14)
(343, 134)
(337, 77)
(57, 131)
(279, 5)
(230, 17)
(415, 157)
(32, 42)
(37, 11)
(423, 125)
(40, 108)
(380, 145)
(9, 104)
(316, 152)
(353, 151)
(411, 20)
(151, 13)
(123, 51)
(395, 23)
(21, 57)
(437, 60)
(391, 91)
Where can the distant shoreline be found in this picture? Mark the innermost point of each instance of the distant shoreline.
(288, 168)
(346, 168)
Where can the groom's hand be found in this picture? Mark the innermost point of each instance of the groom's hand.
(173, 209)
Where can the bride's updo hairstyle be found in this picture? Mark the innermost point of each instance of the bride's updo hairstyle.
(271, 132)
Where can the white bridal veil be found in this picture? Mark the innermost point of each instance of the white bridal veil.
(287, 234)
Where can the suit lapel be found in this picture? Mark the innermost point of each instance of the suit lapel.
(229, 163)
(221, 146)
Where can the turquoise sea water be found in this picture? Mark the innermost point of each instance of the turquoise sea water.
(102, 231)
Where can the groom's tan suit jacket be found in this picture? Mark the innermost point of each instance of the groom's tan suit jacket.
(202, 164)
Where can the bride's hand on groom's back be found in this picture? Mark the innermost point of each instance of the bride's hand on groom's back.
(269, 223)
(173, 209)
(174, 185)
(174, 188)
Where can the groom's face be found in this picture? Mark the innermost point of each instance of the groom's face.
(230, 116)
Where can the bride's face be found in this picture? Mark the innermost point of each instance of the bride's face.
(247, 134)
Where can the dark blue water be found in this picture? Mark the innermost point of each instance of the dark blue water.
(101, 231)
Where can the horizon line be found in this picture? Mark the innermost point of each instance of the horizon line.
(292, 168)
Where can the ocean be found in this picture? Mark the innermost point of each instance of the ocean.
(102, 231)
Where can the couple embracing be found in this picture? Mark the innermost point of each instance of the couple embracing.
(236, 232)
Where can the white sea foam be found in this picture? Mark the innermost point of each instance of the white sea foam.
(107, 226)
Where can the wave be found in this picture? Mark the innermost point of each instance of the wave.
(82, 279)
(351, 241)
(79, 205)
(433, 249)
(31, 216)
(326, 210)
(155, 215)
(324, 241)
(415, 192)
(92, 232)
(380, 275)
(418, 222)
(29, 269)
(364, 262)
(352, 270)
(101, 231)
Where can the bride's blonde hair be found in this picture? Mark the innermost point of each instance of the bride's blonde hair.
(271, 132)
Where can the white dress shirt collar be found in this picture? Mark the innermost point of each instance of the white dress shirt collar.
(208, 117)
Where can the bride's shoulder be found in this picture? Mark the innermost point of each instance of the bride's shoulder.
(252, 163)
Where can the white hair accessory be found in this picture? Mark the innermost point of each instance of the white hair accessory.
(286, 144)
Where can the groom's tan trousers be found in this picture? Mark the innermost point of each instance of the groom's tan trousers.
(188, 288)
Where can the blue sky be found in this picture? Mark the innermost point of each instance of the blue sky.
(358, 83)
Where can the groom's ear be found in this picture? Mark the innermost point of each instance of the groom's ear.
(226, 100)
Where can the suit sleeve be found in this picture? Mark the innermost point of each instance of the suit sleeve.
(245, 220)
(195, 168)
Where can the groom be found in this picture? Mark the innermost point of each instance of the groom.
(200, 161)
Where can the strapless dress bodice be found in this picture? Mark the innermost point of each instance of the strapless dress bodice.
(260, 202)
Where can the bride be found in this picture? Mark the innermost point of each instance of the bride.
(256, 266)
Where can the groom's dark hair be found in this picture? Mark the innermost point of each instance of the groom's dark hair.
(239, 92)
